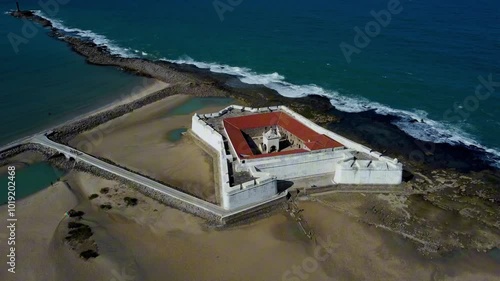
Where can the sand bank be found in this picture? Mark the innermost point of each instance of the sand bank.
(148, 87)
(38, 217)
(471, 180)
(139, 141)
(150, 241)
(175, 244)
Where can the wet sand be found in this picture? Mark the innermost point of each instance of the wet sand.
(38, 217)
(140, 141)
(150, 241)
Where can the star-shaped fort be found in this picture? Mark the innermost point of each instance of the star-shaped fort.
(262, 151)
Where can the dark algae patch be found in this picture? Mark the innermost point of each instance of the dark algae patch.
(130, 201)
(88, 254)
(79, 236)
(106, 207)
(447, 181)
(75, 214)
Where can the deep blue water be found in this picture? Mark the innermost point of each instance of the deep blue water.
(424, 64)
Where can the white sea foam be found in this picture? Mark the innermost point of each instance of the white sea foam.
(409, 122)
(98, 39)
(429, 130)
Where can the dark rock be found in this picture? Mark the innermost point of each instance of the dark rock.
(72, 213)
(106, 206)
(130, 201)
(89, 254)
(72, 225)
(80, 234)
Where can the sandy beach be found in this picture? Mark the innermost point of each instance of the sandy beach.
(38, 218)
(150, 241)
(139, 141)
(445, 228)
(147, 87)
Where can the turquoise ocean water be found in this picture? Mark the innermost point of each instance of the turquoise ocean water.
(423, 65)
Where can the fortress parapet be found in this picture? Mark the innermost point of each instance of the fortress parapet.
(259, 147)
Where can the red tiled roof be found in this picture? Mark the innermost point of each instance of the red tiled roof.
(237, 139)
(321, 142)
(293, 151)
(311, 139)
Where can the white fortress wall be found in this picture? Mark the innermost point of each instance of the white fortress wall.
(249, 192)
(207, 133)
(385, 170)
(237, 196)
(258, 174)
(214, 139)
(347, 142)
(338, 161)
(367, 172)
(299, 165)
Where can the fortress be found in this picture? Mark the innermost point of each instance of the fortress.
(260, 148)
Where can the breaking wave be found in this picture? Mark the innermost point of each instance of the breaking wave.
(97, 39)
(415, 123)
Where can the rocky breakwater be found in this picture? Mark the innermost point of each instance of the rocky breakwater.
(448, 180)
(159, 196)
(7, 154)
(30, 15)
(65, 133)
(188, 78)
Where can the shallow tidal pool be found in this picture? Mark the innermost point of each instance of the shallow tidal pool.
(29, 180)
